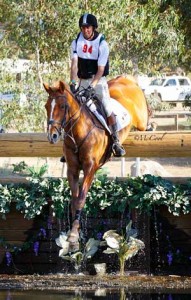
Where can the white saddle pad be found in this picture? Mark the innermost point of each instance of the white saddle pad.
(123, 117)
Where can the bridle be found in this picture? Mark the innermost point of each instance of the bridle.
(53, 122)
(68, 122)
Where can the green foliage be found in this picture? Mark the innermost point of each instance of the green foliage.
(156, 104)
(125, 246)
(148, 34)
(25, 113)
(150, 191)
(113, 196)
(20, 167)
(187, 102)
(5, 200)
(23, 168)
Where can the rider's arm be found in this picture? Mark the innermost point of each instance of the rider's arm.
(74, 69)
(74, 62)
(102, 61)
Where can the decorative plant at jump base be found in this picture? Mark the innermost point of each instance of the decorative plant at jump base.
(77, 258)
(124, 246)
(143, 193)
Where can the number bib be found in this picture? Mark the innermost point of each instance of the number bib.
(88, 49)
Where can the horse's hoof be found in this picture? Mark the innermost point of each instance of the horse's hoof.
(73, 237)
(74, 246)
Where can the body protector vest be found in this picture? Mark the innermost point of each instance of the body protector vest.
(88, 54)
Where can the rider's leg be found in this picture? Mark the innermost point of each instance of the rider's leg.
(117, 148)
(102, 91)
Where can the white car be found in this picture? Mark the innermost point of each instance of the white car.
(170, 88)
(7, 96)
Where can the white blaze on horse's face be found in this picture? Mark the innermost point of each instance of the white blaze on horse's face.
(53, 131)
(53, 103)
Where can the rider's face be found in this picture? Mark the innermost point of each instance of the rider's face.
(87, 31)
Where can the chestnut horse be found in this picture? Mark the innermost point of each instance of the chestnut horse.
(86, 143)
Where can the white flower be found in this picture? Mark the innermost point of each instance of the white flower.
(62, 242)
(110, 251)
(112, 238)
(27, 204)
(91, 247)
(112, 242)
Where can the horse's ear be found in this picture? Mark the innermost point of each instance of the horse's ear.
(62, 86)
(47, 87)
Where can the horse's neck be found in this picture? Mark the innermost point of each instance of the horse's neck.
(74, 106)
(79, 112)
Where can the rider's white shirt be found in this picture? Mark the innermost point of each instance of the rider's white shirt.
(93, 50)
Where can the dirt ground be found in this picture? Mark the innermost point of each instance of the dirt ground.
(166, 167)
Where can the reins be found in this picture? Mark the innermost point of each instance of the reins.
(71, 122)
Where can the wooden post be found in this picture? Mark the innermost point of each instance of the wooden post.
(176, 121)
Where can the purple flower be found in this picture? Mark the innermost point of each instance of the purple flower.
(99, 235)
(170, 297)
(8, 296)
(49, 223)
(178, 251)
(42, 232)
(170, 258)
(36, 247)
(8, 258)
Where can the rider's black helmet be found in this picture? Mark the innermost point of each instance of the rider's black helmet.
(88, 19)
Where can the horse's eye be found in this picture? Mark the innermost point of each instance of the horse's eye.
(62, 106)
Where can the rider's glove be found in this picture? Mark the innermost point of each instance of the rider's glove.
(89, 92)
(73, 88)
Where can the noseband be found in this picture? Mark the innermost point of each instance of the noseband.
(70, 123)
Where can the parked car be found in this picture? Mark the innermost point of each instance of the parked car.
(7, 96)
(170, 88)
(10, 96)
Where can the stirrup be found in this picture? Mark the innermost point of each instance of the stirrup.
(118, 150)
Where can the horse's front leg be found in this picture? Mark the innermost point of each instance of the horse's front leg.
(73, 179)
(79, 202)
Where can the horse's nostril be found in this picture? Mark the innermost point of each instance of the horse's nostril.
(54, 136)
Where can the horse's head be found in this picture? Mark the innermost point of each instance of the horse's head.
(56, 107)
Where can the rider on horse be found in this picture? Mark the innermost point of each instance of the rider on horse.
(90, 66)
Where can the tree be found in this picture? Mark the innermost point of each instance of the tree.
(144, 35)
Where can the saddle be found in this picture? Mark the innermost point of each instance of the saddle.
(95, 106)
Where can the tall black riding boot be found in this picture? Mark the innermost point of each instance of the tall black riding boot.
(62, 159)
(117, 148)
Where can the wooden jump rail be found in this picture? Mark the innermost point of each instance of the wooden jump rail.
(175, 115)
(138, 144)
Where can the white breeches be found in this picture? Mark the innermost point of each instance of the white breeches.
(102, 91)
